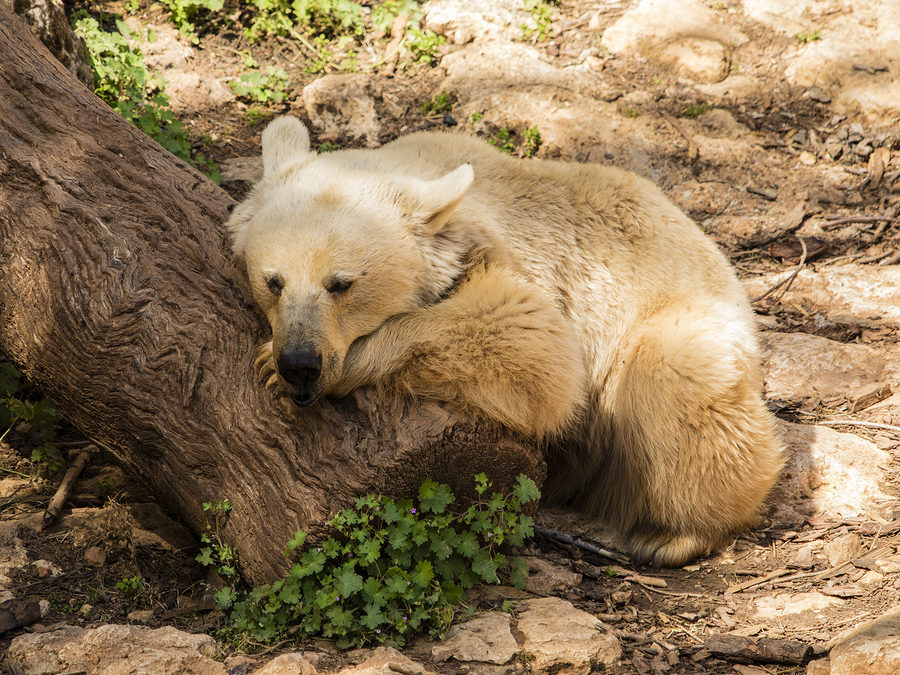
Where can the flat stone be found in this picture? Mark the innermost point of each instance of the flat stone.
(288, 664)
(486, 638)
(565, 639)
(799, 366)
(386, 661)
(653, 23)
(866, 292)
(343, 105)
(872, 648)
(828, 472)
(95, 556)
(114, 649)
(801, 610)
(462, 21)
(545, 578)
(697, 59)
(842, 549)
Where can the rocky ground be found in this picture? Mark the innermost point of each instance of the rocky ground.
(772, 123)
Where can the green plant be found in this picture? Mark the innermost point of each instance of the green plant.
(48, 457)
(531, 141)
(694, 109)
(423, 44)
(476, 117)
(441, 103)
(632, 112)
(121, 79)
(388, 569)
(216, 552)
(131, 587)
(262, 86)
(20, 402)
(542, 14)
(810, 36)
(328, 147)
(503, 139)
(184, 12)
(255, 114)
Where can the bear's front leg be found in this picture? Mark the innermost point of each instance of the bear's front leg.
(496, 347)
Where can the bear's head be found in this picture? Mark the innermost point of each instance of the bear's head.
(334, 247)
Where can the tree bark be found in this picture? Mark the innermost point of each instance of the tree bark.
(119, 299)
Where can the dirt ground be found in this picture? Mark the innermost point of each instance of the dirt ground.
(774, 170)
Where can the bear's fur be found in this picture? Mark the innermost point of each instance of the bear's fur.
(571, 302)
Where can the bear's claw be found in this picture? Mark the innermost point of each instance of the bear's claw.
(265, 366)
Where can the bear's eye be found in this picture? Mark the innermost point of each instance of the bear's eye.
(275, 283)
(338, 286)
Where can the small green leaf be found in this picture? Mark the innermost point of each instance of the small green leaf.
(526, 490)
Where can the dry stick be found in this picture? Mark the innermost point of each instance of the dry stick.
(65, 487)
(692, 150)
(787, 280)
(583, 545)
(871, 425)
(759, 581)
(855, 219)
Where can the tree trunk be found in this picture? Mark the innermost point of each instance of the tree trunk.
(119, 299)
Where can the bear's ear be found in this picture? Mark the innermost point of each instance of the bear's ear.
(237, 225)
(284, 142)
(439, 198)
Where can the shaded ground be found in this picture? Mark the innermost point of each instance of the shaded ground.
(782, 160)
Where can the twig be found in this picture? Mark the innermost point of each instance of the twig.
(787, 280)
(859, 423)
(759, 581)
(65, 487)
(693, 151)
(855, 219)
(579, 543)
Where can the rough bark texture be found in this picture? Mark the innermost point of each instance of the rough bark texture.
(119, 300)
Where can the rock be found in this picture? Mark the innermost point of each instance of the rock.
(872, 648)
(819, 667)
(800, 367)
(545, 578)
(486, 638)
(113, 649)
(654, 23)
(95, 556)
(871, 578)
(565, 639)
(842, 549)
(45, 568)
(462, 21)
(190, 91)
(799, 610)
(863, 292)
(141, 615)
(288, 664)
(828, 472)
(697, 59)
(343, 106)
(386, 661)
(47, 19)
(241, 170)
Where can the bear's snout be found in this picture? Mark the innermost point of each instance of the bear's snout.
(301, 367)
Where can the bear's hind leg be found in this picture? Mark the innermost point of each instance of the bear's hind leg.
(695, 450)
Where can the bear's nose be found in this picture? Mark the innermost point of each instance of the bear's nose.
(300, 366)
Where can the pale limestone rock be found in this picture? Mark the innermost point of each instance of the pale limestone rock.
(486, 638)
(698, 59)
(386, 661)
(565, 639)
(842, 549)
(287, 664)
(845, 292)
(872, 648)
(798, 610)
(828, 472)
(114, 650)
(656, 22)
(799, 366)
(462, 21)
(871, 578)
(545, 578)
(343, 104)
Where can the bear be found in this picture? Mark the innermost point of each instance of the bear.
(573, 303)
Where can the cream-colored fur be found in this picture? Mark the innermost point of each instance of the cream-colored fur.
(572, 302)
